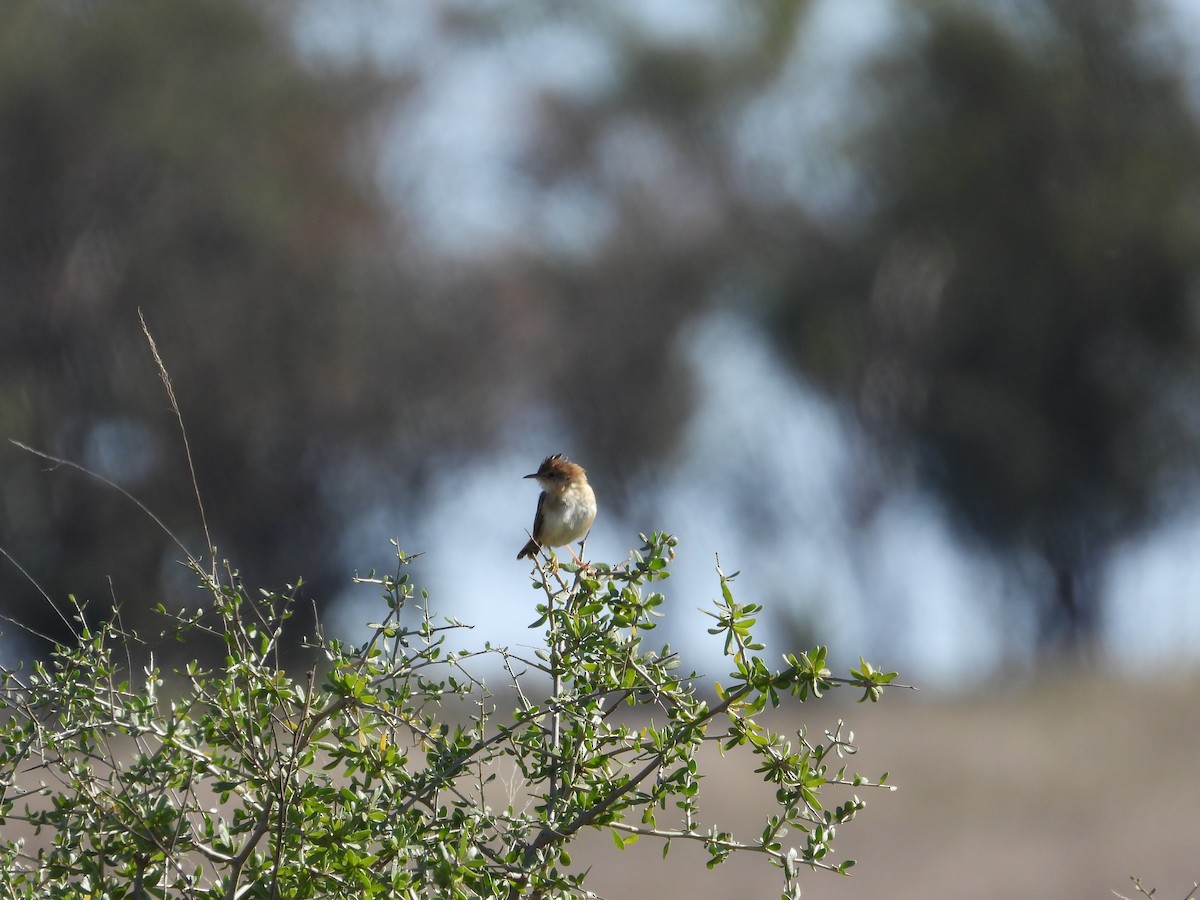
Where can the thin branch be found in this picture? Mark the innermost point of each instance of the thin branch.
(709, 840)
(239, 861)
(41, 590)
(585, 818)
(187, 448)
(108, 482)
(556, 654)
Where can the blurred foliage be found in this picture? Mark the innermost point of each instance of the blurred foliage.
(191, 162)
(1007, 301)
(1008, 297)
(646, 158)
(179, 159)
(1017, 303)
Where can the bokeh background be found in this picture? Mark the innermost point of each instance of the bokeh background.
(892, 304)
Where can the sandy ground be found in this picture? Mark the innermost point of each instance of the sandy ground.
(1062, 788)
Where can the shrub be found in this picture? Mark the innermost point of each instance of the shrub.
(379, 771)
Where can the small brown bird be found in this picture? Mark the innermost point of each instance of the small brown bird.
(566, 507)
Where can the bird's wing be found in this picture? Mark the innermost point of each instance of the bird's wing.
(539, 517)
(532, 548)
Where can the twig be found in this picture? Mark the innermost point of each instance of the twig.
(108, 482)
(556, 652)
(41, 590)
(187, 448)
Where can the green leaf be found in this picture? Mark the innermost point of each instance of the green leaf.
(622, 841)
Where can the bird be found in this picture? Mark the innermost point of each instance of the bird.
(566, 507)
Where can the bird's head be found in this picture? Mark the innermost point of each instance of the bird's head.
(556, 472)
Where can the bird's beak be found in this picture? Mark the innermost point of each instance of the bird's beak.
(534, 475)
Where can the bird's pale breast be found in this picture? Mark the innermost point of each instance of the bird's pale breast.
(568, 517)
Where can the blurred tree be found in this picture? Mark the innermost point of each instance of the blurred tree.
(189, 161)
(177, 158)
(1010, 307)
(1011, 302)
(647, 157)
(1015, 305)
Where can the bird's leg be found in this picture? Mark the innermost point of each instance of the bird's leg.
(579, 559)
